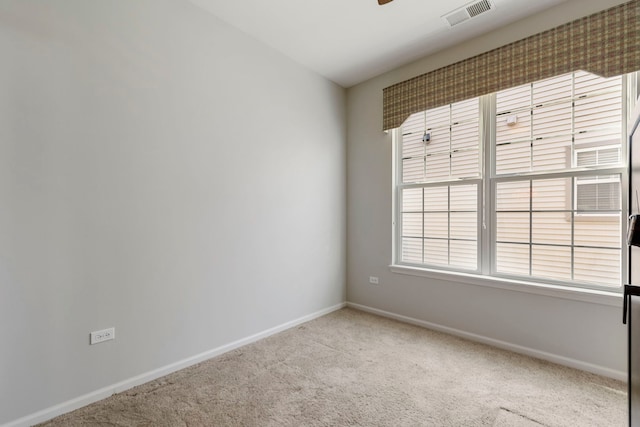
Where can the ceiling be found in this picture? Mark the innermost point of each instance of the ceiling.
(350, 41)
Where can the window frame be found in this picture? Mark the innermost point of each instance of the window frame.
(455, 182)
(486, 271)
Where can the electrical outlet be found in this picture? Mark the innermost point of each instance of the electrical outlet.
(374, 280)
(103, 335)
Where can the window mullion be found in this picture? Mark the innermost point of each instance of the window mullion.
(449, 225)
(424, 207)
(486, 203)
(530, 227)
(424, 240)
(573, 226)
(449, 187)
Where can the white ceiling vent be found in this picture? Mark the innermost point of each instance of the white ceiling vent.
(467, 12)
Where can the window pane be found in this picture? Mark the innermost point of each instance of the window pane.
(414, 124)
(552, 262)
(598, 266)
(514, 99)
(412, 200)
(551, 228)
(438, 117)
(512, 127)
(412, 225)
(465, 164)
(438, 166)
(465, 110)
(512, 227)
(514, 157)
(436, 252)
(552, 120)
(464, 255)
(513, 196)
(464, 225)
(413, 169)
(598, 231)
(440, 140)
(436, 225)
(586, 83)
(598, 193)
(465, 135)
(599, 111)
(599, 99)
(464, 198)
(412, 250)
(551, 194)
(412, 145)
(512, 259)
(598, 196)
(552, 153)
(436, 199)
(553, 89)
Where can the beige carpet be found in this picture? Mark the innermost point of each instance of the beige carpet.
(351, 368)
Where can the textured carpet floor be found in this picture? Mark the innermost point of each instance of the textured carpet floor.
(352, 368)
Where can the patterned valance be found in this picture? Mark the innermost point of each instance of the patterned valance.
(606, 43)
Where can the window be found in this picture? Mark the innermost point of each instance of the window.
(440, 216)
(525, 183)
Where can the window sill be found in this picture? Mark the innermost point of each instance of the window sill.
(610, 298)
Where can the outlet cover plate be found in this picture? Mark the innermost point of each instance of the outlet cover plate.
(102, 335)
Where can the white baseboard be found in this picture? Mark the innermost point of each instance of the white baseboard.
(79, 402)
(560, 360)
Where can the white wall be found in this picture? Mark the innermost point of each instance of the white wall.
(581, 333)
(161, 173)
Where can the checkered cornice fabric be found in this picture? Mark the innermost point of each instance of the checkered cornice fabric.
(606, 43)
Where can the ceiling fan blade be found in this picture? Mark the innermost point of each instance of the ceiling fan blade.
(381, 2)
